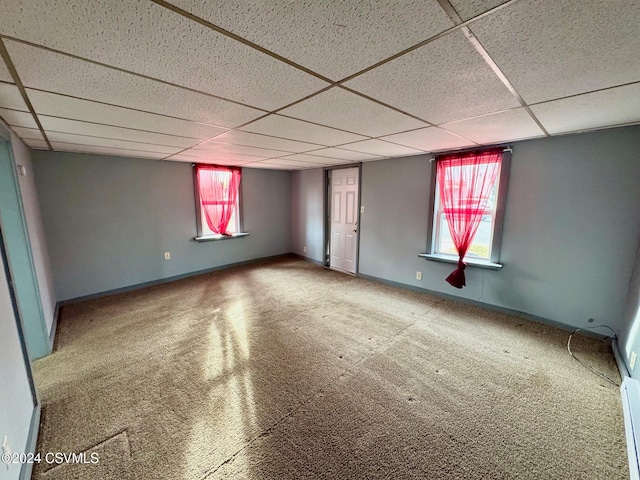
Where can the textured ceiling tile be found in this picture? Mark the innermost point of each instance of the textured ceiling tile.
(443, 81)
(592, 110)
(10, 97)
(18, 119)
(429, 139)
(347, 111)
(5, 75)
(335, 38)
(74, 140)
(510, 125)
(555, 48)
(58, 73)
(149, 39)
(181, 157)
(471, 8)
(237, 137)
(270, 166)
(62, 106)
(37, 144)
(239, 149)
(118, 152)
(379, 147)
(280, 126)
(81, 128)
(311, 159)
(28, 133)
(220, 157)
(286, 162)
(340, 154)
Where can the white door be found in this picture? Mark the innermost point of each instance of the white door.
(343, 195)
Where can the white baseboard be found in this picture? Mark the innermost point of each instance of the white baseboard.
(630, 393)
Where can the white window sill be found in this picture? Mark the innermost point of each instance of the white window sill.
(213, 238)
(471, 262)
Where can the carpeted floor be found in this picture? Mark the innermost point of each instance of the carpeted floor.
(283, 369)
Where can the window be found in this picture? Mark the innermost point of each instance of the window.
(217, 190)
(468, 197)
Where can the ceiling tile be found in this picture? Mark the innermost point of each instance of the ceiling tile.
(471, 8)
(339, 108)
(430, 139)
(282, 162)
(379, 147)
(28, 133)
(74, 140)
(333, 38)
(277, 125)
(73, 108)
(311, 159)
(270, 166)
(168, 46)
(72, 126)
(10, 97)
(66, 147)
(237, 137)
(18, 119)
(555, 48)
(497, 127)
(37, 144)
(339, 154)
(214, 160)
(443, 81)
(239, 149)
(599, 109)
(5, 75)
(57, 73)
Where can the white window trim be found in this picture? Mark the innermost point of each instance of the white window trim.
(493, 262)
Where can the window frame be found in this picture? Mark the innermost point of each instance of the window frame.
(496, 238)
(201, 236)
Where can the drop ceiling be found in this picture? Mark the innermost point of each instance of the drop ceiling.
(296, 84)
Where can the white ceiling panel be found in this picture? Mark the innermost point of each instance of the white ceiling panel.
(471, 8)
(593, 110)
(239, 149)
(84, 110)
(555, 48)
(509, 125)
(340, 154)
(213, 159)
(57, 73)
(379, 147)
(28, 133)
(75, 140)
(67, 147)
(10, 97)
(286, 162)
(237, 137)
(280, 126)
(18, 119)
(342, 109)
(429, 139)
(333, 38)
(270, 166)
(81, 128)
(37, 144)
(5, 75)
(443, 81)
(311, 160)
(168, 46)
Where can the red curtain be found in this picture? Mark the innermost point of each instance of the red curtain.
(465, 182)
(218, 188)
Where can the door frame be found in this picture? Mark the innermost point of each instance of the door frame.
(326, 213)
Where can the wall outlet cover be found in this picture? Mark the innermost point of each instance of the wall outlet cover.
(632, 360)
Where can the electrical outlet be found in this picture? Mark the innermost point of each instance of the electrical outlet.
(362, 209)
(167, 255)
(304, 249)
(632, 360)
(418, 275)
(6, 448)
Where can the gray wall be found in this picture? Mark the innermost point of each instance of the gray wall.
(109, 220)
(570, 233)
(306, 213)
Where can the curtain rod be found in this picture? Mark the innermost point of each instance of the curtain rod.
(508, 149)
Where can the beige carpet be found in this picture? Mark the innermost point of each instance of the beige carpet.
(283, 369)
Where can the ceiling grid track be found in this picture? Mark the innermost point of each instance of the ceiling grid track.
(16, 78)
